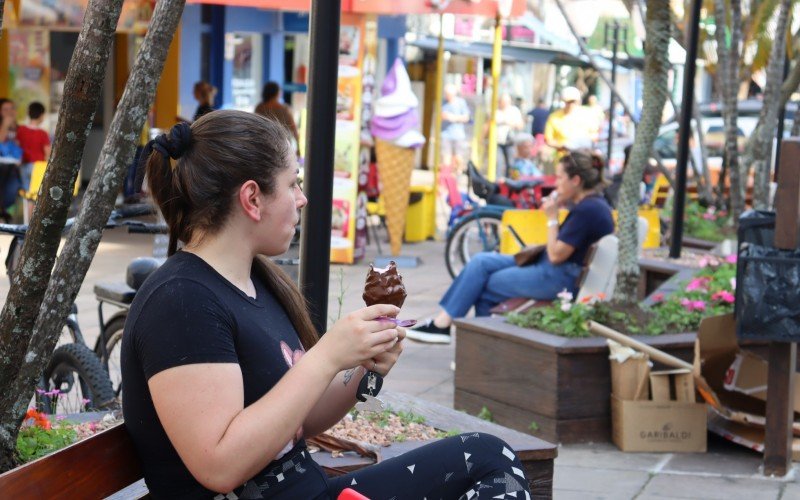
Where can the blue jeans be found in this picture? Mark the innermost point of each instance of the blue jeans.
(490, 278)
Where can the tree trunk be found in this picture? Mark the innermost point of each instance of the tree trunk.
(98, 202)
(656, 87)
(768, 119)
(702, 175)
(2, 11)
(83, 83)
(729, 86)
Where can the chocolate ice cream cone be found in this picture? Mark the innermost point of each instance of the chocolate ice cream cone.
(395, 165)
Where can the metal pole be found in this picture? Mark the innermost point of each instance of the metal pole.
(437, 131)
(690, 68)
(315, 238)
(491, 155)
(615, 31)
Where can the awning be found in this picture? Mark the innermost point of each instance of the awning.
(287, 5)
(487, 8)
(533, 54)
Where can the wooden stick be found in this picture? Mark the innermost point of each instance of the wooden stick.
(623, 339)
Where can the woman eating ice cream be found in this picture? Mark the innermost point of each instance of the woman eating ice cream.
(223, 371)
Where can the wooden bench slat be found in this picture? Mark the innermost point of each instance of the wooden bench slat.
(92, 468)
(106, 465)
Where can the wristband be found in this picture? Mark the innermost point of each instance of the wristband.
(552, 223)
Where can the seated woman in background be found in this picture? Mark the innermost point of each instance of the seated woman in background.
(223, 370)
(490, 278)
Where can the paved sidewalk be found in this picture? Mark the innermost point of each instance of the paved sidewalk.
(586, 471)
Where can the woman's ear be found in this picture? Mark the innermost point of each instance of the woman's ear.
(250, 200)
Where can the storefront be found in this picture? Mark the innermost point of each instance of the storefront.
(39, 37)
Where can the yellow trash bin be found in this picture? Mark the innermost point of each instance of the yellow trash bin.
(420, 223)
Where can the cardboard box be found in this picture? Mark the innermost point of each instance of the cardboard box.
(652, 426)
(629, 379)
(672, 385)
(748, 375)
(638, 424)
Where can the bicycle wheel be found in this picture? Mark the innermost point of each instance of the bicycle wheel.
(74, 381)
(112, 336)
(478, 232)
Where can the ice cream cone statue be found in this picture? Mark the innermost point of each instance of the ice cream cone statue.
(394, 127)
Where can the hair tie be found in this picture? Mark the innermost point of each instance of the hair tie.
(169, 146)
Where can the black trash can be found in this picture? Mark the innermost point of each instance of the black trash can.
(767, 282)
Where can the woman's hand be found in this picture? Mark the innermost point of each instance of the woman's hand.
(357, 338)
(550, 208)
(384, 362)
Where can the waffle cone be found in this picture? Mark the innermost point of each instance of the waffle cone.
(395, 165)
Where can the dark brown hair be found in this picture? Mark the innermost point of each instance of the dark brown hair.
(586, 164)
(214, 156)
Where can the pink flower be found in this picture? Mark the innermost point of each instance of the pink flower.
(566, 306)
(565, 296)
(658, 297)
(698, 284)
(708, 216)
(693, 305)
(731, 259)
(724, 296)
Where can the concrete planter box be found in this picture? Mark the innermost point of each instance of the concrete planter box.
(555, 388)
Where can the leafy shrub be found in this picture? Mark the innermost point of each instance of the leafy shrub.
(709, 293)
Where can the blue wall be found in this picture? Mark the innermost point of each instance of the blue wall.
(273, 25)
(189, 59)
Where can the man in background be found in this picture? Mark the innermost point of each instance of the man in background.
(570, 127)
(455, 114)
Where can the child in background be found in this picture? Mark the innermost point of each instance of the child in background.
(34, 141)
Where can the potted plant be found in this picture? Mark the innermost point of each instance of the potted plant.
(542, 372)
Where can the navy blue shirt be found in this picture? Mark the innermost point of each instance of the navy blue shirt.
(540, 116)
(587, 222)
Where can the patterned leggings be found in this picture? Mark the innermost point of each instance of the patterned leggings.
(468, 466)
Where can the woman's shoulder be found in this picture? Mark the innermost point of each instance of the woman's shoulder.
(182, 276)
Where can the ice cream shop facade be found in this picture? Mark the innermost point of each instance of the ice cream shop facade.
(237, 45)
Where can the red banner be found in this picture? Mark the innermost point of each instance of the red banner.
(486, 8)
(285, 5)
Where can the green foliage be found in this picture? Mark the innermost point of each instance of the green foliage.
(446, 434)
(533, 427)
(485, 414)
(709, 293)
(706, 223)
(408, 417)
(34, 441)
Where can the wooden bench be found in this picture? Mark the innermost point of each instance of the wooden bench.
(106, 464)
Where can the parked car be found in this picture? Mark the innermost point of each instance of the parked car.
(714, 129)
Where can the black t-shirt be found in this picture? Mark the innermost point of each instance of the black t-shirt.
(587, 222)
(187, 313)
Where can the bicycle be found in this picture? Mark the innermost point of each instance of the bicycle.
(121, 295)
(475, 228)
(74, 379)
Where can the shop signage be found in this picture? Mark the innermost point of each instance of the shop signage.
(68, 14)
